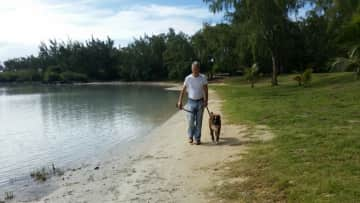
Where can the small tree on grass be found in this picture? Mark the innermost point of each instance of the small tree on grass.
(307, 77)
(252, 74)
(351, 63)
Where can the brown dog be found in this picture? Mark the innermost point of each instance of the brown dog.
(215, 126)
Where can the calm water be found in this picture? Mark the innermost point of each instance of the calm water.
(40, 125)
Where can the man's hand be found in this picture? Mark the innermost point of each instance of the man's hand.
(205, 103)
(206, 95)
(179, 105)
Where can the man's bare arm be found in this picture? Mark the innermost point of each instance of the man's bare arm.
(206, 92)
(182, 92)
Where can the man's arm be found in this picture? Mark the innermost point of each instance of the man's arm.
(182, 92)
(206, 92)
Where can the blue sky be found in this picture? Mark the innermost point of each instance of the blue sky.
(25, 23)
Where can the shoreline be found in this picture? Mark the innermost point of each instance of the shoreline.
(160, 167)
(150, 83)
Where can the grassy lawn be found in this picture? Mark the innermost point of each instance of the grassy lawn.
(315, 155)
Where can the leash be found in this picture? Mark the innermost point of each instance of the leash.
(185, 109)
(207, 108)
(188, 111)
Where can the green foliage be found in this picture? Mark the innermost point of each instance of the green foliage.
(207, 43)
(50, 77)
(69, 76)
(8, 77)
(351, 63)
(178, 55)
(20, 76)
(252, 74)
(307, 77)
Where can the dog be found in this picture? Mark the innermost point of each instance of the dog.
(215, 127)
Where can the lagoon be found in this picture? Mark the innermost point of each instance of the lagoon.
(70, 125)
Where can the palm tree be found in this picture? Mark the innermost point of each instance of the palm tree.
(351, 63)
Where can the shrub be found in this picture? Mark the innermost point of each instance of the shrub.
(8, 77)
(20, 76)
(252, 74)
(50, 77)
(69, 76)
(23, 76)
(307, 76)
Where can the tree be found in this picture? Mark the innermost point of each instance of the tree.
(178, 55)
(265, 21)
(215, 47)
(1, 67)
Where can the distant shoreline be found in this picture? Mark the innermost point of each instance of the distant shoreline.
(155, 83)
(150, 83)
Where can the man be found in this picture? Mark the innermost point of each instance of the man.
(196, 86)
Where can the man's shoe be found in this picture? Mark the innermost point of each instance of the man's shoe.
(198, 143)
(191, 140)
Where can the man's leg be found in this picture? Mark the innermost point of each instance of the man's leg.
(191, 119)
(199, 118)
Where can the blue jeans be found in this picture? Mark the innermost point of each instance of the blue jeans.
(195, 118)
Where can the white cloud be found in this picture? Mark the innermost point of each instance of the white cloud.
(24, 24)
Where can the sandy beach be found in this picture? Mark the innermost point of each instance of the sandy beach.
(162, 168)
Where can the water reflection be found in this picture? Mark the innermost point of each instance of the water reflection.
(40, 125)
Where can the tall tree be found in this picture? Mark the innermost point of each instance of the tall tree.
(266, 21)
(178, 55)
(215, 46)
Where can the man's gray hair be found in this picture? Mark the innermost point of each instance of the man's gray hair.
(195, 63)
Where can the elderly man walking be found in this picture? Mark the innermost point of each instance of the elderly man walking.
(196, 86)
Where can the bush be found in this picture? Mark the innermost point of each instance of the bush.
(50, 77)
(20, 76)
(307, 77)
(23, 76)
(69, 76)
(8, 77)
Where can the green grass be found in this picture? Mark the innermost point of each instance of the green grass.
(315, 155)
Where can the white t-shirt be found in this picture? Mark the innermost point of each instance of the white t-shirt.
(195, 86)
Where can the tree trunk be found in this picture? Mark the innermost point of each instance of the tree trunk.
(275, 64)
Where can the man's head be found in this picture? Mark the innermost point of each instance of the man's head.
(195, 68)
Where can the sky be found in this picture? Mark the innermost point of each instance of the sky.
(26, 23)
